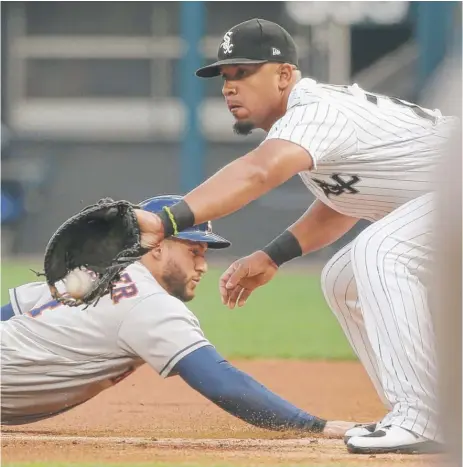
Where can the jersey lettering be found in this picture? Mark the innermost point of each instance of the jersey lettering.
(419, 111)
(124, 288)
(373, 98)
(341, 186)
(39, 310)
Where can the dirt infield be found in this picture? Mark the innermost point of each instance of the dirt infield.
(146, 419)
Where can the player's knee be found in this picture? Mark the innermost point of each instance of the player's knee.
(363, 243)
(327, 281)
(371, 253)
(333, 286)
(325, 285)
(364, 249)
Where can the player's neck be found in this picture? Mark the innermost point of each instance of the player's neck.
(156, 269)
(281, 110)
(151, 265)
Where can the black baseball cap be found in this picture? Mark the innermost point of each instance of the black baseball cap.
(254, 41)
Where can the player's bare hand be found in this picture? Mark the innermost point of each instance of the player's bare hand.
(337, 429)
(152, 230)
(244, 276)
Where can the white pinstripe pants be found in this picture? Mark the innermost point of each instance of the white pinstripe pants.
(376, 286)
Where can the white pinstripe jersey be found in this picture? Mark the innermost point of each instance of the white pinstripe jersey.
(371, 153)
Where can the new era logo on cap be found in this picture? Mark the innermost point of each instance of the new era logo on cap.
(252, 42)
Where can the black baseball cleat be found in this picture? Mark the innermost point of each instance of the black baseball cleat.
(393, 439)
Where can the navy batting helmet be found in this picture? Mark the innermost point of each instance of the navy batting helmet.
(198, 233)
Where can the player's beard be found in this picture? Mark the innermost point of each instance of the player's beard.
(176, 282)
(243, 127)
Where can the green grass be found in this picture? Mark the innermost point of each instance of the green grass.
(288, 318)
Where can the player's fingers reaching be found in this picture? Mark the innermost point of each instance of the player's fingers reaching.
(234, 296)
(244, 276)
(224, 278)
(245, 293)
(239, 273)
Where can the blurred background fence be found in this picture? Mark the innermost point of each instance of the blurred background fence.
(100, 99)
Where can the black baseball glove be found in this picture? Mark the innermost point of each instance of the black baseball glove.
(103, 238)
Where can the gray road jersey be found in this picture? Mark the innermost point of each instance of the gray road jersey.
(54, 357)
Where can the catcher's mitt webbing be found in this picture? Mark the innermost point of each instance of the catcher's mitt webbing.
(176, 218)
(103, 238)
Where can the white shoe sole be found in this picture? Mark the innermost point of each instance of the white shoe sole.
(424, 447)
(393, 439)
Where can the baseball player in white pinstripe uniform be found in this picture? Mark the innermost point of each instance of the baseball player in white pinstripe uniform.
(364, 156)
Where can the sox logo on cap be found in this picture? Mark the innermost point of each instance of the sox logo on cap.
(226, 44)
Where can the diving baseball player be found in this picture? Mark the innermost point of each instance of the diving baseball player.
(364, 156)
(55, 357)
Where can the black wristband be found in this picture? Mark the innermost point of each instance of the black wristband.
(283, 248)
(176, 218)
(167, 223)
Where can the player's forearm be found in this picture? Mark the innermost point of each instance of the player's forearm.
(233, 187)
(230, 189)
(320, 226)
(240, 395)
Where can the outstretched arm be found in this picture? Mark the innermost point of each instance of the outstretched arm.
(240, 395)
(246, 179)
(231, 188)
(304, 136)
